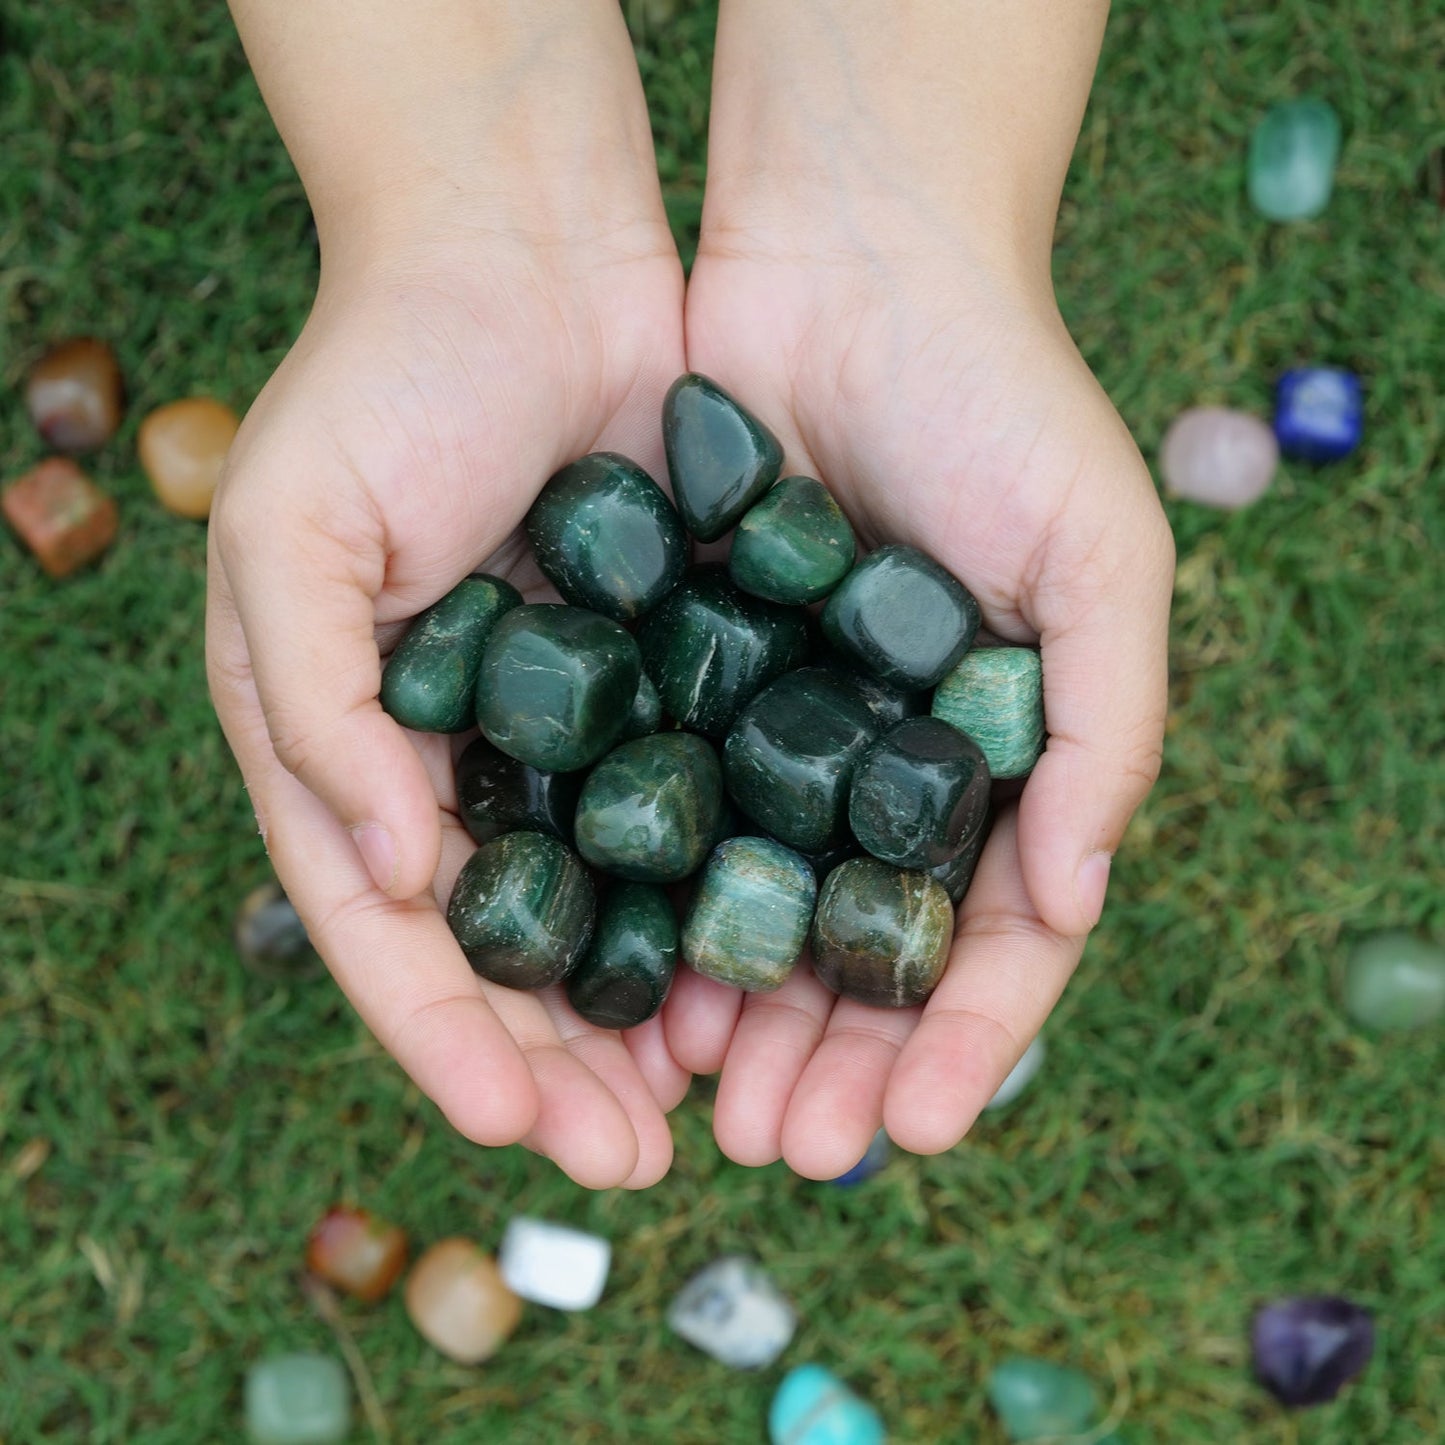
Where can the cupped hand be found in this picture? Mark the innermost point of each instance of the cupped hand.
(944, 404)
(397, 449)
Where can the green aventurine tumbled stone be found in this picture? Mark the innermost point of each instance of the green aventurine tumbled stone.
(299, 1399)
(650, 809)
(497, 794)
(607, 538)
(920, 794)
(789, 758)
(646, 714)
(1038, 1400)
(1292, 156)
(721, 458)
(795, 545)
(996, 696)
(431, 679)
(881, 934)
(625, 976)
(522, 910)
(749, 914)
(902, 616)
(710, 648)
(1394, 980)
(556, 685)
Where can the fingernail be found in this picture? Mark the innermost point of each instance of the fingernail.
(1091, 883)
(379, 853)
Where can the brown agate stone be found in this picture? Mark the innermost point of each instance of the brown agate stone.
(75, 395)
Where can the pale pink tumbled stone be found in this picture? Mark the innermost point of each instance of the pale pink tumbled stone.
(1219, 457)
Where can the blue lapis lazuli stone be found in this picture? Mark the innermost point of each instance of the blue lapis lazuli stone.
(814, 1407)
(871, 1163)
(1319, 413)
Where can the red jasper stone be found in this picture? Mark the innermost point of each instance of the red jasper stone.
(357, 1252)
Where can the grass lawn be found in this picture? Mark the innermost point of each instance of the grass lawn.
(1209, 1130)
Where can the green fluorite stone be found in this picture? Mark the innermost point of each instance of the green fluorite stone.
(556, 685)
(431, 679)
(920, 794)
(1038, 1400)
(710, 648)
(300, 1399)
(719, 456)
(790, 755)
(646, 714)
(606, 537)
(795, 545)
(996, 696)
(749, 914)
(624, 977)
(902, 617)
(522, 910)
(650, 809)
(496, 794)
(1395, 981)
(881, 934)
(1292, 156)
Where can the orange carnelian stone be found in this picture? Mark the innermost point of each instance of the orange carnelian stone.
(61, 515)
(357, 1252)
(182, 447)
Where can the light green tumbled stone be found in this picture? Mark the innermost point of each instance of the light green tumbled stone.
(749, 914)
(996, 696)
(1038, 1400)
(300, 1399)
(1394, 980)
(1292, 156)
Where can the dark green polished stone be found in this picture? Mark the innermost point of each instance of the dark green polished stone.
(795, 545)
(890, 704)
(721, 459)
(431, 678)
(902, 616)
(556, 685)
(606, 537)
(646, 714)
(825, 861)
(996, 696)
(624, 977)
(749, 914)
(920, 794)
(711, 648)
(789, 758)
(649, 810)
(496, 794)
(957, 874)
(522, 910)
(881, 934)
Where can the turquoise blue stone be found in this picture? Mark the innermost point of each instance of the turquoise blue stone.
(430, 680)
(646, 714)
(749, 914)
(496, 794)
(1038, 1400)
(813, 1407)
(793, 546)
(1292, 158)
(920, 794)
(626, 974)
(1394, 980)
(650, 809)
(720, 457)
(996, 696)
(790, 756)
(556, 685)
(711, 648)
(300, 1399)
(522, 910)
(902, 617)
(889, 704)
(606, 537)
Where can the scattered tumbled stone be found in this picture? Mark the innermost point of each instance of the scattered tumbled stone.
(996, 696)
(1394, 980)
(720, 457)
(1218, 457)
(624, 977)
(881, 934)
(889, 704)
(1020, 1076)
(522, 910)
(1036, 1399)
(430, 681)
(734, 1312)
(1319, 415)
(957, 874)
(646, 714)
(75, 395)
(298, 1399)
(270, 937)
(606, 537)
(1307, 1350)
(749, 914)
(553, 1265)
(357, 1252)
(793, 546)
(459, 1302)
(61, 515)
(496, 794)
(182, 447)
(813, 1407)
(873, 1161)
(1292, 156)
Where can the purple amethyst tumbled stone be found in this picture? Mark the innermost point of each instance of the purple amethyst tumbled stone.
(1306, 1350)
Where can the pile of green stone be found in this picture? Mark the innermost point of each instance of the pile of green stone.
(821, 778)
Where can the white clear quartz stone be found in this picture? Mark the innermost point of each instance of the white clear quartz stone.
(1020, 1076)
(1219, 457)
(733, 1312)
(553, 1265)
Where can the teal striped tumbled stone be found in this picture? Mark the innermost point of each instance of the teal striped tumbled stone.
(625, 975)
(996, 696)
(1039, 1400)
(749, 914)
(793, 546)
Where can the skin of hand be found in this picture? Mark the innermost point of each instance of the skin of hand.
(473, 332)
(873, 281)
